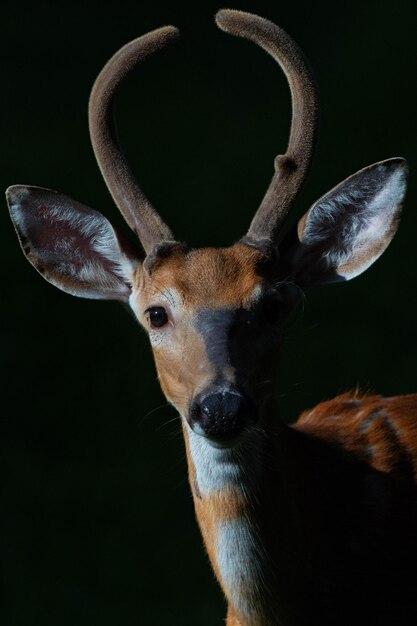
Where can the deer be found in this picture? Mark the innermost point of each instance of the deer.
(313, 522)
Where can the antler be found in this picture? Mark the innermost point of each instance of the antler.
(292, 167)
(129, 198)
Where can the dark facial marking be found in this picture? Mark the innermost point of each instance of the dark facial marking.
(235, 338)
(214, 326)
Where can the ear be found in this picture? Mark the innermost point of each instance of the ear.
(345, 231)
(72, 246)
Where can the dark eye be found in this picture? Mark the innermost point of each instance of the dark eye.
(273, 311)
(157, 316)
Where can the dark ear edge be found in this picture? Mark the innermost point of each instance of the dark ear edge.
(348, 228)
(72, 246)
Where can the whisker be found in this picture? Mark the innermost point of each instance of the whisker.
(152, 411)
(170, 421)
(264, 382)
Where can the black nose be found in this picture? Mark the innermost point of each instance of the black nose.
(221, 414)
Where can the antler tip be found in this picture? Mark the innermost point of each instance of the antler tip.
(225, 18)
(140, 48)
(160, 36)
(223, 13)
(170, 32)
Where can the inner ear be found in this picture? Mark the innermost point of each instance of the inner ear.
(345, 231)
(74, 247)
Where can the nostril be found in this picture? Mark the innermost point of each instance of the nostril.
(220, 414)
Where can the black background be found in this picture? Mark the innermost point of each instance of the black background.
(96, 523)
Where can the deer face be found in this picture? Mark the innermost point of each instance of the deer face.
(214, 316)
(213, 322)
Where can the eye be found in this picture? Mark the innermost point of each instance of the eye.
(157, 316)
(273, 311)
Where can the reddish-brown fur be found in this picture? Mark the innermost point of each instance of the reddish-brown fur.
(381, 432)
(218, 277)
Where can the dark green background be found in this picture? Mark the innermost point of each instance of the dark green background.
(96, 522)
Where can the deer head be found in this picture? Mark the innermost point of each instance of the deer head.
(214, 316)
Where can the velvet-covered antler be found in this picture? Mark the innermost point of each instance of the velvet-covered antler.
(292, 167)
(129, 198)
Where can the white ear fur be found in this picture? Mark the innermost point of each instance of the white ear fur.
(347, 229)
(72, 246)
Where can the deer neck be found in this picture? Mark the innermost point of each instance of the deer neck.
(230, 493)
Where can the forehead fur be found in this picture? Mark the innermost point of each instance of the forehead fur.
(218, 277)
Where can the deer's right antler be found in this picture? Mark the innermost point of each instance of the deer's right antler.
(129, 198)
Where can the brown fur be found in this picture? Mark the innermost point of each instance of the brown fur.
(232, 619)
(208, 277)
(382, 432)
